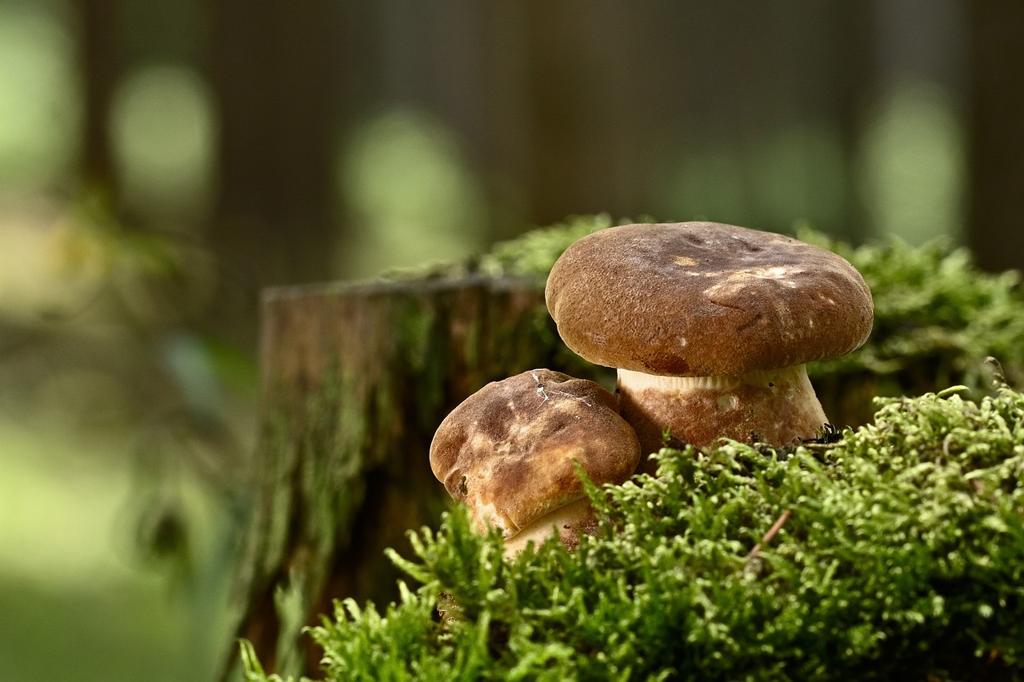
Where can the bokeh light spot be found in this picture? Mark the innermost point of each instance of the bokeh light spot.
(411, 197)
(39, 100)
(912, 167)
(163, 134)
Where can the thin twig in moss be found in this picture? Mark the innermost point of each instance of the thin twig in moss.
(772, 532)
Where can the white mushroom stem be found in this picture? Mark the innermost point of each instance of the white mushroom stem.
(567, 522)
(776, 407)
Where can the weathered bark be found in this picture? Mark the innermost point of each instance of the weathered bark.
(356, 379)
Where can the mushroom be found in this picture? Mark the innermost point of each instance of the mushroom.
(509, 453)
(709, 326)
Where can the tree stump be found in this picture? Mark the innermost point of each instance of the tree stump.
(356, 379)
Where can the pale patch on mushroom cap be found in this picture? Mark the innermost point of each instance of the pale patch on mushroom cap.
(508, 451)
(705, 299)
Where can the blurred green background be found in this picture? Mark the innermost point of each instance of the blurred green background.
(160, 163)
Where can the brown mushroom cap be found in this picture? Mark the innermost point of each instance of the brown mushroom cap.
(508, 450)
(705, 299)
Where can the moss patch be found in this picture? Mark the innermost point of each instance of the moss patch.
(902, 554)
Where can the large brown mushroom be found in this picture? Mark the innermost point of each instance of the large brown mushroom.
(509, 453)
(709, 326)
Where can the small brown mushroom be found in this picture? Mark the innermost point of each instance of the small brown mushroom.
(508, 452)
(709, 325)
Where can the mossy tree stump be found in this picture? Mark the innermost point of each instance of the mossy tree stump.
(356, 379)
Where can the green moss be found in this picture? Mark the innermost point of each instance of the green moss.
(533, 254)
(936, 315)
(528, 256)
(902, 556)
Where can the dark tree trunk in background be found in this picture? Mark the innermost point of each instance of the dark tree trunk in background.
(355, 381)
(276, 73)
(565, 137)
(996, 134)
(850, 36)
(507, 146)
(596, 121)
(99, 67)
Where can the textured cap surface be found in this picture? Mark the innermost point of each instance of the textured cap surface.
(705, 299)
(508, 450)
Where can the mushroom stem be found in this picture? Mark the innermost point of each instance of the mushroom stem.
(568, 522)
(776, 407)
